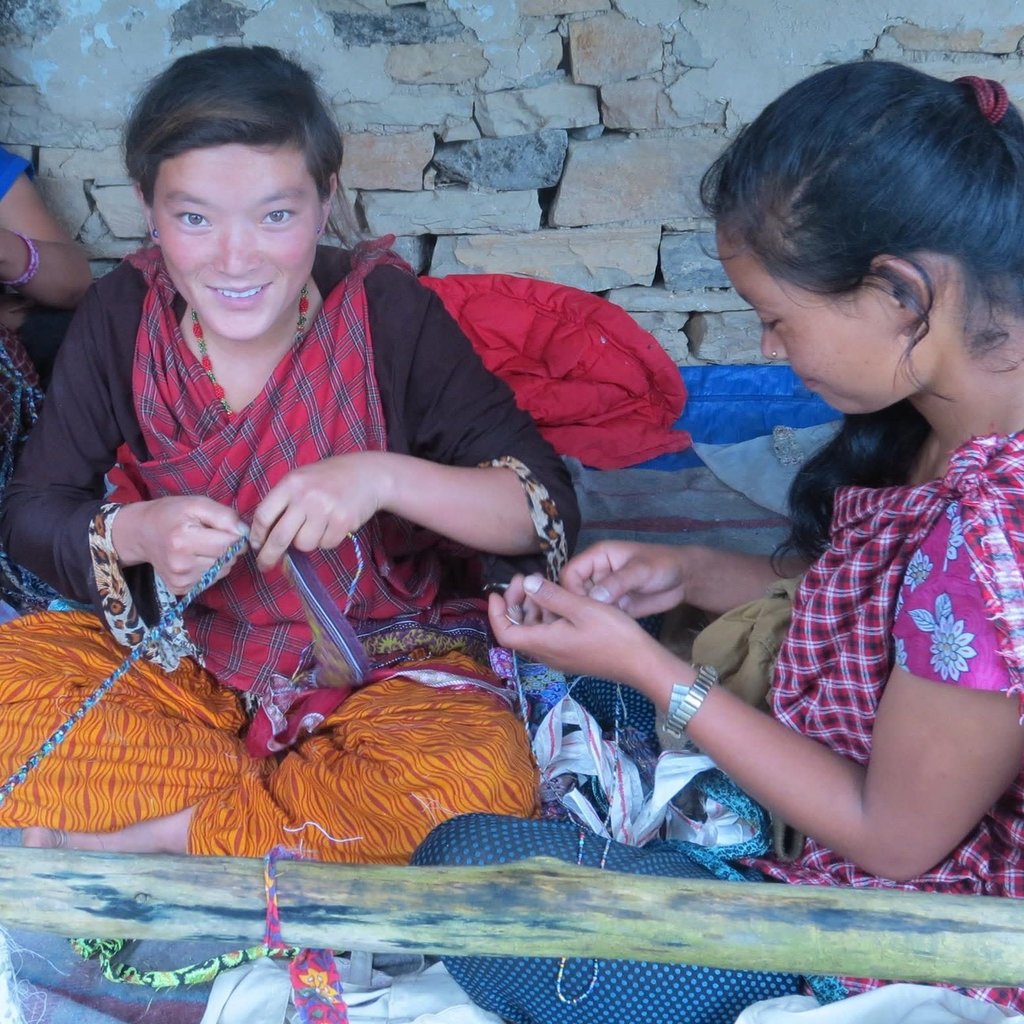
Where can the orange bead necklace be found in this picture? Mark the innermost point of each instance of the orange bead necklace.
(204, 356)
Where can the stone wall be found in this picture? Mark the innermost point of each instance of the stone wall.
(557, 138)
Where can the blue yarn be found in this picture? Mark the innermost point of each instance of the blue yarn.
(153, 633)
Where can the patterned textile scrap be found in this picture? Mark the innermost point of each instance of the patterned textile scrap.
(550, 528)
(107, 953)
(20, 401)
(598, 753)
(626, 730)
(118, 605)
(316, 985)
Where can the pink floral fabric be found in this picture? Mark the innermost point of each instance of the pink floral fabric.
(941, 631)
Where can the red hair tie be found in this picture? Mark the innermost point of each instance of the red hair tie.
(991, 96)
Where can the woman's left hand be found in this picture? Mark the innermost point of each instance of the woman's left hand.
(316, 506)
(575, 634)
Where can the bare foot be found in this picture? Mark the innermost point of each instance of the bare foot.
(157, 835)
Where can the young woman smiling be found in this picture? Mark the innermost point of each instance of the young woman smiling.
(249, 381)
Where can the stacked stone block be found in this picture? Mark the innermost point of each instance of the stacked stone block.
(563, 139)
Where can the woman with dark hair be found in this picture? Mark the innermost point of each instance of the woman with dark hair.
(250, 382)
(872, 216)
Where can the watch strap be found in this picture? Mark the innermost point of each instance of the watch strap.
(685, 701)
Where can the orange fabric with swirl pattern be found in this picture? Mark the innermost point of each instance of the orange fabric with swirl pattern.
(367, 785)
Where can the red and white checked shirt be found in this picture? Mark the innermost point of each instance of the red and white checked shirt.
(839, 652)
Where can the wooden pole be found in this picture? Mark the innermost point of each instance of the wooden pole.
(539, 907)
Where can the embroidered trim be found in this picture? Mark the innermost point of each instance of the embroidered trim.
(544, 513)
(118, 605)
(316, 984)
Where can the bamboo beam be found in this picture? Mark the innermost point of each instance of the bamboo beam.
(540, 907)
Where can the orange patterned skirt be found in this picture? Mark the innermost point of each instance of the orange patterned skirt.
(389, 764)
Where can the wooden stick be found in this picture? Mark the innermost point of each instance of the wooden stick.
(539, 907)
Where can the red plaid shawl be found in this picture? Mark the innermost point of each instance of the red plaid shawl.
(835, 662)
(322, 400)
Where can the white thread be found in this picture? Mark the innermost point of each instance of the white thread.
(10, 1003)
(524, 707)
(30, 999)
(321, 829)
(431, 808)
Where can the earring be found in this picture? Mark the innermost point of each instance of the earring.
(154, 232)
(772, 356)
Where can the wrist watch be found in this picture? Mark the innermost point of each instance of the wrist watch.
(686, 701)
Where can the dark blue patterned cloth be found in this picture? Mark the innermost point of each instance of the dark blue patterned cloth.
(525, 991)
(20, 401)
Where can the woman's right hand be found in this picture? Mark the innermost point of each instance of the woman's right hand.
(180, 536)
(571, 633)
(641, 579)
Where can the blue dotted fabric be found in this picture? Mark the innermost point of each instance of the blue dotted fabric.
(524, 990)
(611, 703)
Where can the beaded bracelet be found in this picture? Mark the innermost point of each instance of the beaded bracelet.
(33, 263)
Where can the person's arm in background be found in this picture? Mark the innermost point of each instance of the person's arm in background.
(62, 275)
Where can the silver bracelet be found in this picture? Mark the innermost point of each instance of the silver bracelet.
(686, 701)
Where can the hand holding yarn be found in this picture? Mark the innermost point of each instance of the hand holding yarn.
(181, 537)
(319, 505)
(572, 633)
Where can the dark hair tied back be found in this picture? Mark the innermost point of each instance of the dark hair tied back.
(991, 96)
(868, 159)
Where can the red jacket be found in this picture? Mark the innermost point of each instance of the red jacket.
(599, 386)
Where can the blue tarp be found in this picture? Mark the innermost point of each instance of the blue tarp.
(726, 404)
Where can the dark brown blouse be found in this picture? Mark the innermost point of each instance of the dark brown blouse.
(439, 402)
